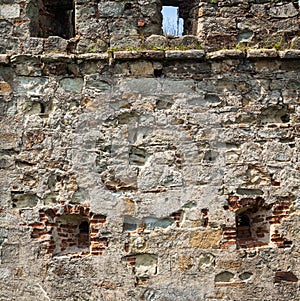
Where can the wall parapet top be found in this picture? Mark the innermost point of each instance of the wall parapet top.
(157, 55)
(84, 26)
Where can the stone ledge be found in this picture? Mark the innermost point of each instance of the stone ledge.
(61, 57)
(262, 53)
(221, 54)
(158, 55)
(93, 56)
(184, 54)
(289, 54)
(143, 54)
(20, 57)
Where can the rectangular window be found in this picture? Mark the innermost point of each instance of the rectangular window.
(172, 24)
(52, 18)
(180, 17)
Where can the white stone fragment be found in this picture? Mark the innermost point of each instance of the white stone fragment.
(10, 10)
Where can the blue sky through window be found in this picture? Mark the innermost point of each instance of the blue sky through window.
(171, 24)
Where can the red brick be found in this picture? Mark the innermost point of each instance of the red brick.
(52, 224)
(97, 252)
(62, 234)
(131, 260)
(126, 247)
(37, 225)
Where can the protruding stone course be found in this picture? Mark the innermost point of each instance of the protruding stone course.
(188, 54)
(261, 53)
(221, 54)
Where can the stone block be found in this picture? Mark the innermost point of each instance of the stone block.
(185, 54)
(290, 54)
(34, 45)
(110, 9)
(9, 45)
(96, 83)
(285, 276)
(205, 261)
(8, 140)
(5, 88)
(24, 200)
(10, 253)
(185, 263)
(146, 265)
(90, 46)
(156, 41)
(5, 28)
(10, 11)
(222, 54)
(4, 59)
(142, 85)
(141, 68)
(283, 11)
(143, 54)
(5, 273)
(205, 239)
(31, 86)
(262, 53)
(224, 277)
(72, 84)
(55, 44)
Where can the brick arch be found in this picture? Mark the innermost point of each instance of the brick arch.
(255, 223)
(69, 229)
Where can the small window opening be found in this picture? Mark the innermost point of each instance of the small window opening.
(72, 234)
(243, 227)
(285, 118)
(128, 6)
(172, 23)
(158, 72)
(84, 234)
(84, 228)
(252, 227)
(52, 18)
(180, 17)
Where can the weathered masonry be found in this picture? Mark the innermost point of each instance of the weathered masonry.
(136, 166)
(93, 26)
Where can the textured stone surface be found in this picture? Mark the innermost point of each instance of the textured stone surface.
(91, 27)
(165, 173)
(165, 165)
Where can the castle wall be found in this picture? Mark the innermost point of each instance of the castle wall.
(147, 174)
(93, 26)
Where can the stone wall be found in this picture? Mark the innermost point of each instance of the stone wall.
(33, 26)
(263, 24)
(149, 174)
(183, 164)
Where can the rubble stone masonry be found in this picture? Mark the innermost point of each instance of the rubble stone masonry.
(141, 166)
